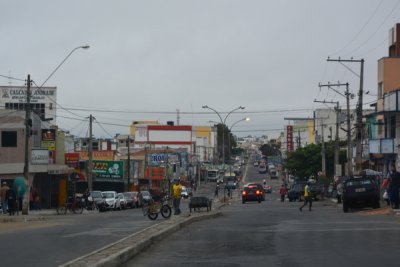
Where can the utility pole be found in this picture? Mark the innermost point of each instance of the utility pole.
(129, 165)
(28, 125)
(90, 154)
(323, 148)
(347, 95)
(359, 110)
(337, 148)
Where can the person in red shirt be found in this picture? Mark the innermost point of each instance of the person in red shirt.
(283, 192)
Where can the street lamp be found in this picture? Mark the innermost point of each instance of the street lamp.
(230, 130)
(223, 127)
(25, 203)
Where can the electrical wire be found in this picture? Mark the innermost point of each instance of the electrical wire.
(379, 27)
(12, 78)
(359, 32)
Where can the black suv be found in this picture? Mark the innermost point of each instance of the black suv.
(296, 191)
(360, 190)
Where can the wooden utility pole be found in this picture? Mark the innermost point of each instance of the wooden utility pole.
(28, 125)
(90, 154)
(129, 165)
(337, 147)
(347, 95)
(359, 110)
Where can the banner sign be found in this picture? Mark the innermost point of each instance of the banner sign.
(72, 160)
(108, 169)
(98, 155)
(40, 157)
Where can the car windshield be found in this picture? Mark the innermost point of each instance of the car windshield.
(108, 195)
(96, 194)
(145, 193)
(358, 182)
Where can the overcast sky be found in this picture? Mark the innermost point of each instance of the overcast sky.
(148, 59)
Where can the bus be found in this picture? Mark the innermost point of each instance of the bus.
(212, 175)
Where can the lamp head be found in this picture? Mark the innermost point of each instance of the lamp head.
(241, 107)
(205, 106)
(85, 46)
(247, 119)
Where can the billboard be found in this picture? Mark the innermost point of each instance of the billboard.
(108, 169)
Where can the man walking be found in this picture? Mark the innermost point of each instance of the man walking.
(3, 199)
(176, 195)
(307, 197)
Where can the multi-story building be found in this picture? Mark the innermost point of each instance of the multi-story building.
(384, 149)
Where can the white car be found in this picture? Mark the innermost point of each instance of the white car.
(185, 192)
(112, 200)
(122, 201)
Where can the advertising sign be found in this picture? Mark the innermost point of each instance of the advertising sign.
(72, 160)
(40, 157)
(108, 169)
(155, 173)
(98, 155)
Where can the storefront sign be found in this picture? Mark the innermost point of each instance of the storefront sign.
(72, 159)
(289, 137)
(40, 157)
(108, 169)
(98, 155)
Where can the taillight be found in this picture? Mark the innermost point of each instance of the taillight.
(258, 192)
(244, 193)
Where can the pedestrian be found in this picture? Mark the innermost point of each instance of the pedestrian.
(216, 191)
(11, 197)
(307, 197)
(3, 199)
(339, 190)
(176, 196)
(283, 192)
(394, 185)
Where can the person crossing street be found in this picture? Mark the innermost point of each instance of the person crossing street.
(307, 197)
(176, 196)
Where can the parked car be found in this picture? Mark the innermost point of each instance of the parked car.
(111, 200)
(132, 200)
(122, 201)
(251, 193)
(145, 197)
(184, 192)
(296, 191)
(360, 190)
(97, 198)
(230, 185)
(316, 190)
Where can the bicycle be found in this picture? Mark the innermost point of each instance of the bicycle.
(74, 205)
(152, 208)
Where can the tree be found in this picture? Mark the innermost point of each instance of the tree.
(307, 161)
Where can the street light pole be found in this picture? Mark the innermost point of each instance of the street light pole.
(28, 121)
(229, 144)
(223, 128)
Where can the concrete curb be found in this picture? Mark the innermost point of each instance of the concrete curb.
(125, 249)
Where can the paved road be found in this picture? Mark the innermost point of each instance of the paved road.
(278, 234)
(273, 233)
(56, 240)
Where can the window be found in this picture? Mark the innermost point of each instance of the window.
(380, 90)
(9, 139)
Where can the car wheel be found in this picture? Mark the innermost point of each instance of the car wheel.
(345, 206)
(377, 204)
(243, 201)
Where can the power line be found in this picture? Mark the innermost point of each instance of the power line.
(362, 28)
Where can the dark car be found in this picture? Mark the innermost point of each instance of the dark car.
(316, 190)
(296, 191)
(132, 200)
(360, 191)
(97, 198)
(260, 187)
(230, 185)
(251, 193)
